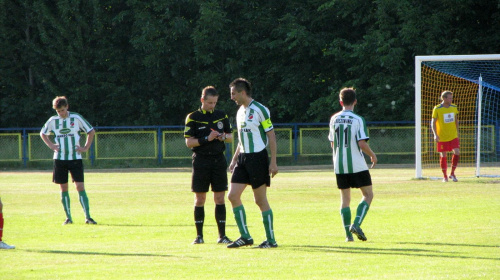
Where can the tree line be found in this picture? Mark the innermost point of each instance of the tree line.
(145, 62)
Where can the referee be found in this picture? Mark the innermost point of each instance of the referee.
(206, 132)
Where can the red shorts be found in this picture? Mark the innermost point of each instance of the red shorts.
(448, 146)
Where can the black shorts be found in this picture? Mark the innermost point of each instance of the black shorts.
(209, 170)
(61, 168)
(354, 180)
(252, 169)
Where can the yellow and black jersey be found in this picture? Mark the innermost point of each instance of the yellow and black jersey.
(200, 123)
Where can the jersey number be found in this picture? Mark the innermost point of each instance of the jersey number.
(345, 132)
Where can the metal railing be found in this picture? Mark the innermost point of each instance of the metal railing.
(296, 141)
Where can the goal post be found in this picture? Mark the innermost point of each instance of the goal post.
(475, 82)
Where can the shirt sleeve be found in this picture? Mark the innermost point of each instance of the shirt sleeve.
(188, 128)
(84, 124)
(434, 113)
(48, 127)
(363, 130)
(266, 120)
(331, 134)
(227, 125)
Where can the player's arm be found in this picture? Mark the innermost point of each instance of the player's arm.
(45, 137)
(433, 127)
(192, 142)
(273, 166)
(52, 146)
(88, 142)
(235, 158)
(367, 150)
(226, 137)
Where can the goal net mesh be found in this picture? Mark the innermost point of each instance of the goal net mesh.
(463, 78)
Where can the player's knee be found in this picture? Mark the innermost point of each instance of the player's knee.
(233, 197)
(368, 197)
(262, 203)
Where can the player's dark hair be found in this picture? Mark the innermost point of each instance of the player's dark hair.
(242, 84)
(209, 91)
(59, 102)
(347, 96)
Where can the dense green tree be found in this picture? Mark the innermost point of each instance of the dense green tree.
(145, 62)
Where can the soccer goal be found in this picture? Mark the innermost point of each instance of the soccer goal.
(475, 83)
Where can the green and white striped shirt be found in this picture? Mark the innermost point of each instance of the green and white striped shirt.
(66, 134)
(253, 122)
(346, 129)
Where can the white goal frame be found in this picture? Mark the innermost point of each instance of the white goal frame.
(418, 99)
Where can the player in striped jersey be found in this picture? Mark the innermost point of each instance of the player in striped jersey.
(348, 136)
(68, 153)
(250, 164)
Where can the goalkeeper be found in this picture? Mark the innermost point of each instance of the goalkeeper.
(444, 125)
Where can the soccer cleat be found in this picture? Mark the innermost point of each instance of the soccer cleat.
(224, 240)
(358, 232)
(267, 244)
(90, 221)
(240, 242)
(67, 222)
(454, 178)
(349, 239)
(445, 180)
(4, 245)
(198, 240)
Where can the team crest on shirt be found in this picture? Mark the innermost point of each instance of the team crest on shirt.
(448, 118)
(250, 117)
(220, 125)
(72, 124)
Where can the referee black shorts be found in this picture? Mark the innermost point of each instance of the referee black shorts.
(252, 169)
(354, 180)
(61, 168)
(209, 170)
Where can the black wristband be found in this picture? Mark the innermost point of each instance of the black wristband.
(203, 140)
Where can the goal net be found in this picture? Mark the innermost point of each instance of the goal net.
(475, 83)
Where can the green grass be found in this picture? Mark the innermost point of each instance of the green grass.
(416, 229)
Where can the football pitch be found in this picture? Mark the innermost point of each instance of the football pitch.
(416, 229)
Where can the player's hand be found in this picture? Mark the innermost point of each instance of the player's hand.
(273, 170)
(213, 134)
(221, 137)
(374, 160)
(80, 149)
(232, 166)
(55, 147)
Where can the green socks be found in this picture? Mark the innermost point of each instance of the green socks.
(84, 201)
(361, 213)
(66, 204)
(267, 218)
(345, 213)
(241, 220)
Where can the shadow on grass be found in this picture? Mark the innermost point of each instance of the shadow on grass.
(99, 253)
(449, 244)
(162, 225)
(390, 251)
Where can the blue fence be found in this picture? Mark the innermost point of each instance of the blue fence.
(161, 144)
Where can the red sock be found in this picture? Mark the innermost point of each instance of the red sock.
(454, 163)
(1, 226)
(444, 165)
